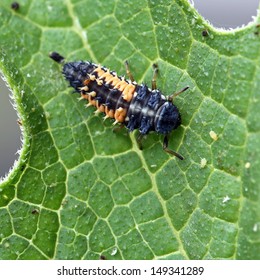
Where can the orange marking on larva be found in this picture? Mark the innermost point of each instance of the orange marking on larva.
(101, 108)
(112, 80)
(121, 85)
(85, 88)
(93, 102)
(92, 77)
(99, 82)
(109, 113)
(120, 114)
(93, 94)
(99, 71)
(91, 99)
(105, 75)
(85, 96)
(86, 82)
(128, 92)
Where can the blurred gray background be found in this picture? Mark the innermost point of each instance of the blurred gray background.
(221, 13)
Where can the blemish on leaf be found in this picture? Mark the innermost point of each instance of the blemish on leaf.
(35, 211)
(255, 227)
(203, 163)
(213, 135)
(205, 33)
(114, 251)
(226, 199)
(15, 6)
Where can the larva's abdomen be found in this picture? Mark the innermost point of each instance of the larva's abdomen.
(103, 89)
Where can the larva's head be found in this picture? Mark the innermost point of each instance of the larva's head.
(168, 118)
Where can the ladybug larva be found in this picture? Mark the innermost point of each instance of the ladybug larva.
(128, 103)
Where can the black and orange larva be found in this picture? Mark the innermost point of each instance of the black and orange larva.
(132, 105)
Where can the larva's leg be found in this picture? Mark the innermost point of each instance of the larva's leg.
(128, 72)
(118, 128)
(155, 74)
(172, 96)
(139, 141)
(167, 150)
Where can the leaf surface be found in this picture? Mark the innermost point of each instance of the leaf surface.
(79, 190)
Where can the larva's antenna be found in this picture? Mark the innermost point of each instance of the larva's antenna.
(171, 97)
(56, 57)
(167, 150)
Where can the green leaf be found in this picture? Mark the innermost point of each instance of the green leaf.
(79, 190)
